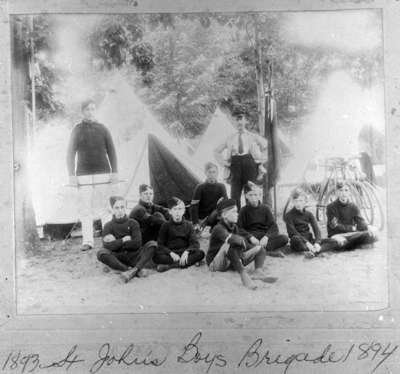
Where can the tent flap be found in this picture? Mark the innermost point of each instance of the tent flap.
(168, 176)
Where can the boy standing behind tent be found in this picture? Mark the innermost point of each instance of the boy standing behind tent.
(205, 198)
(92, 167)
(149, 215)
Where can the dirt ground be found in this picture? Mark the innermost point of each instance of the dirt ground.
(60, 279)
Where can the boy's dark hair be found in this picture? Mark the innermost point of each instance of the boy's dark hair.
(209, 165)
(239, 111)
(86, 103)
(174, 201)
(114, 199)
(144, 187)
(341, 184)
(297, 193)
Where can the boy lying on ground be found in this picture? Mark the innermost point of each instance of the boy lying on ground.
(122, 241)
(345, 224)
(178, 245)
(230, 248)
(257, 219)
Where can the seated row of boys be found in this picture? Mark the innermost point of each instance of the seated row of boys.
(164, 236)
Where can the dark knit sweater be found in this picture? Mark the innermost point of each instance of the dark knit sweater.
(177, 237)
(93, 144)
(208, 194)
(219, 234)
(348, 217)
(120, 228)
(149, 223)
(298, 223)
(258, 221)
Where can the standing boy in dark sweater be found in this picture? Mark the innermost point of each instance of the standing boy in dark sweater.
(205, 198)
(149, 215)
(230, 247)
(345, 224)
(122, 243)
(178, 245)
(298, 222)
(92, 167)
(257, 220)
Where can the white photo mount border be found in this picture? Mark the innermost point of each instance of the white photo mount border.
(384, 319)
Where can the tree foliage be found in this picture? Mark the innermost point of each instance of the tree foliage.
(188, 64)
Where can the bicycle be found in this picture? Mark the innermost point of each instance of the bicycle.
(362, 192)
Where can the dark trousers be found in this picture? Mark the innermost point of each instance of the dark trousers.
(243, 169)
(151, 232)
(356, 239)
(276, 242)
(123, 260)
(165, 259)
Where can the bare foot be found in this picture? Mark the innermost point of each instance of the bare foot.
(247, 282)
(143, 273)
(258, 274)
(126, 276)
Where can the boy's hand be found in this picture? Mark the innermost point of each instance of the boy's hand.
(254, 240)
(236, 240)
(317, 247)
(174, 256)
(109, 238)
(264, 241)
(334, 222)
(184, 258)
(310, 247)
(341, 240)
(126, 238)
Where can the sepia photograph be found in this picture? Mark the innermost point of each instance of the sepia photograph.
(189, 162)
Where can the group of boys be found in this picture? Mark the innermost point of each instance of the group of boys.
(152, 233)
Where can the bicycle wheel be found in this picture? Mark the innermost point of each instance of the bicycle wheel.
(326, 198)
(362, 199)
(379, 214)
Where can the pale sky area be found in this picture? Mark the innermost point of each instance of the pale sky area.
(348, 30)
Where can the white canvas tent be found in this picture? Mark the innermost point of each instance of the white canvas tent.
(130, 124)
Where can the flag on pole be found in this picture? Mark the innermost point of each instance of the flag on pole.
(272, 138)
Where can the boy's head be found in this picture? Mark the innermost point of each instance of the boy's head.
(118, 205)
(343, 191)
(299, 199)
(241, 117)
(88, 108)
(211, 171)
(176, 209)
(227, 209)
(146, 193)
(252, 193)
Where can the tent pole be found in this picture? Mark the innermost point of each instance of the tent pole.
(137, 166)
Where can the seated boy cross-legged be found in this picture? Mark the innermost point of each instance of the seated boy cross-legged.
(122, 241)
(257, 219)
(178, 245)
(345, 224)
(298, 221)
(230, 247)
